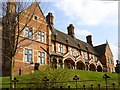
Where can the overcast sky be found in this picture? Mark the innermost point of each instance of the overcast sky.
(97, 18)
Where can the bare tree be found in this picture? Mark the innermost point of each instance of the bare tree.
(12, 15)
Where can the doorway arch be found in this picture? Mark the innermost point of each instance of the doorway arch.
(80, 65)
(69, 63)
(92, 67)
(54, 63)
(99, 68)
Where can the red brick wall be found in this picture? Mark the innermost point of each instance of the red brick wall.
(109, 54)
(32, 43)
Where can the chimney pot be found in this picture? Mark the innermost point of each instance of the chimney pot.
(49, 18)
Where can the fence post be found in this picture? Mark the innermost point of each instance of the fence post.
(61, 87)
(105, 76)
(53, 88)
(83, 87)
(14, 82)
(113, 86)
(45, 79)
(91, 86)
(76, 78)
(68, 87)
(98, 86)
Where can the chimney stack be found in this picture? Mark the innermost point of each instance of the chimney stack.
(71, 30)
(49, 18)
(11, 7)
(89, 39)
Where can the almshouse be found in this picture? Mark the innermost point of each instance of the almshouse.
(43, 44)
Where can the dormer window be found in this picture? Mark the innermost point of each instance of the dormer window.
(86, 47)
(55, 35)
(79, 45)
(66, 39)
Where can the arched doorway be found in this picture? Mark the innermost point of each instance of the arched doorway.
(80, 65)
(92, 67)
(54, 63)
(69, 63)
(99, 68)
(60, 63)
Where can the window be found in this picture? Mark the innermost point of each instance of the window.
(41, 57)
(28, 55)
(84, 56)
(60, 48)
(110, 60)
(35, 18)
(41, 36)
(96, 59)
(29, 32)
(52, 46)
(71, 51)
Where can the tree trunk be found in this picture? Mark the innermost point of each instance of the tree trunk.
(12, 73)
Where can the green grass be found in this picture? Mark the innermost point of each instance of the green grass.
(63, 75)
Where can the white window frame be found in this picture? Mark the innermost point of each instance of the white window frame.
(28, 31)
(60, 48)
(41, 36)
(41, 57)
(27, 55)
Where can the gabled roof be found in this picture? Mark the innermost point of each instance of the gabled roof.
(73, 42)
(100, 49)
(34, 7)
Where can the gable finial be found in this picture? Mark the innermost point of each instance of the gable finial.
(35, 0)
(106, 41)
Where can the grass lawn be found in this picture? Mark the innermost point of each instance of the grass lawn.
(65, 76)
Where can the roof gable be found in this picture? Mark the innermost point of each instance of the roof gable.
(34, 9)
(100, 49)
(108, 50)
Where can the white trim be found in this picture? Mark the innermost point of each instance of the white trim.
(71, 57)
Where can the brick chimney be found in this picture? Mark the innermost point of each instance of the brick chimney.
(89, 39)
(11, 7)
(70, 29)
(49, 18)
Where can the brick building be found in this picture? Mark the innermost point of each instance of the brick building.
(44, 45)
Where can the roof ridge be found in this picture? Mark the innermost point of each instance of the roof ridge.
(100, 45)
(70, 36)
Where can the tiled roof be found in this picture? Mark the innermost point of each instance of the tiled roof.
(56, 54)
(73, 42)
(100, 49)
